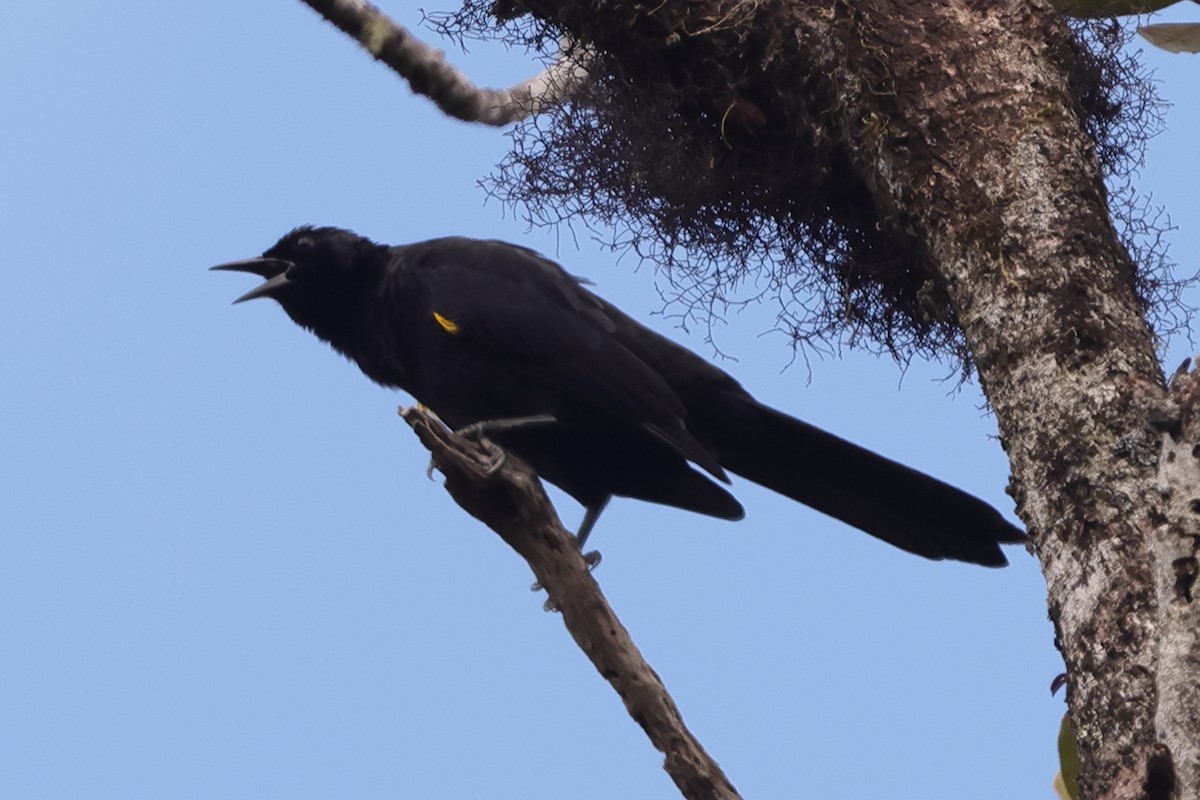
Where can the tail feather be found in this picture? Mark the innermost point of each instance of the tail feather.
(909, 509)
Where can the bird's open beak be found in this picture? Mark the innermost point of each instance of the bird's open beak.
(274, 270)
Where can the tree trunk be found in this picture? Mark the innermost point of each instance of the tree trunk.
(988, 160)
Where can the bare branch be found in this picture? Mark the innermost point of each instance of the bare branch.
(428, 73)
(510, 500)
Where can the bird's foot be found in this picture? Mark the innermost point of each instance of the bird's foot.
(477, 432)
(496, 455)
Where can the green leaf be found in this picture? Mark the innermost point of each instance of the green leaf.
(1067, 781)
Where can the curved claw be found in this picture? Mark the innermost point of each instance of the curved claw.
(497, 454)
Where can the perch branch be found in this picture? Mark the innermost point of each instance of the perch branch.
(510, 500)
(428, 73)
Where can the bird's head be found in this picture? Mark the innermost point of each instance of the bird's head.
(319, 275)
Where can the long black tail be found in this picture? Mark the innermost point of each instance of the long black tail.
(890, 501)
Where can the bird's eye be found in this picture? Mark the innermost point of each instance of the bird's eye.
(304, 243)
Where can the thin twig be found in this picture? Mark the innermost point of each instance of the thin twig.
(428, 73)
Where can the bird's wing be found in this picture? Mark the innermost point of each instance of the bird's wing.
(527, 310)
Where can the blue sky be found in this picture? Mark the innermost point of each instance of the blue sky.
(224, 574)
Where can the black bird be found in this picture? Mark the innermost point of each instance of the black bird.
(489, 332)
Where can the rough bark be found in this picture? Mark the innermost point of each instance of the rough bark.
(509, 499)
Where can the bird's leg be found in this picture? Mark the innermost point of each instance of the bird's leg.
(590, 515)
(484, 427)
